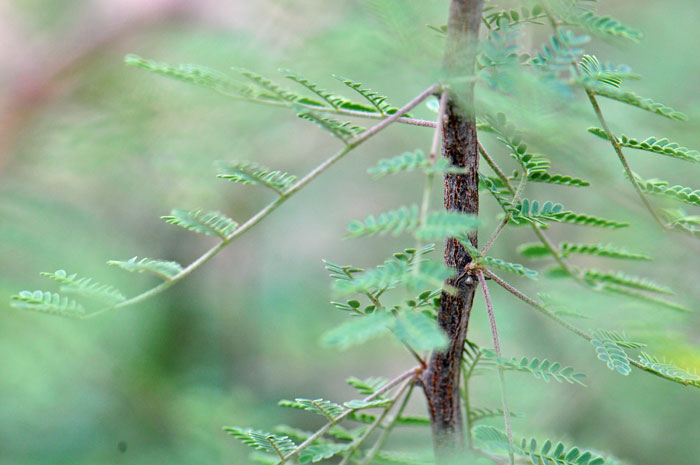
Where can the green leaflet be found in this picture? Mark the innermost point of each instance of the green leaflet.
(86, 287)
(621, 339)
(194, 74)
(419, 331)
(335, 101)
(497, 262)
(604, 73)
(622, 279)
(357, 330)
(399, 270)
(558, 454)
(442, 224)
(317, 452)
(344, 130)
(206, 222)
(365, 404)
(410, 161)
(604, 25)
(253, 173)
(661, 146)
(630, 98)
(496, 440)
(261, 440)
(271, 88)
(376, 100)
(161, 268)
(609, 351)
(367, 386)
(627, 292)
(540, 369)
(394, 222)
(47, 302)
(538, 250)
(681, 375)
(664, 189)
(561, 179)
(322, 407)
(530, 211)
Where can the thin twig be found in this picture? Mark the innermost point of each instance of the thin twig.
(255, 219)
(376, 423)
(618, 150)
(408, 374)
(388, 428)
(501, 376)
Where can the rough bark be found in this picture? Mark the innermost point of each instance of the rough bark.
(441, 378)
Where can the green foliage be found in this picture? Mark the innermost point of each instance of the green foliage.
(344, 130)
(419, 331)
(678, 219)
(608, 73)
(322, 407)
(358, 330)
(652, 144)
(498, 263)
(561, 179)
(399, 270)
(630, 98)
(410, 161)
(317, 452)
(655, 365)
(261, 440)
(163, 269)
(557, 55)
(478, 414)
(641, 296)
(376, 100)
(559, 455)
(494, 17)
(365, 404)
(47, 302)
(252, 173)
(604, 25)
(530, 211)
(540, 369)
(206, 222)
(394, 222)
(331, 99)
(609, 351)
(442, 224)
(619, 338)
(622, 279)
(664, 189)
(270, 88)
(548, 454)
(367, 386)
(193, 74)
(566, 249)
(86, 287)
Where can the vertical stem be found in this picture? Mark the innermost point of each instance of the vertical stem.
(501, 376)
(442, 377)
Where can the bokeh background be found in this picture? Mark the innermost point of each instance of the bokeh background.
(92, 153)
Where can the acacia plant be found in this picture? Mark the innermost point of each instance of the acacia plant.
(426, 303)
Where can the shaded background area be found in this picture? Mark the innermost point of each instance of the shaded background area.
(92, 153)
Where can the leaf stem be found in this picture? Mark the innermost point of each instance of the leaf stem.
(501, 376)
(403, 376)
(260, 215)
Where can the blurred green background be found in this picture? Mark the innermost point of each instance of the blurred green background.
(92, 153)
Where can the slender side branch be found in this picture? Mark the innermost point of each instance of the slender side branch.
(260, 215)
(501, 376)
(618, 150)
(376, 423)
(403, 376)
